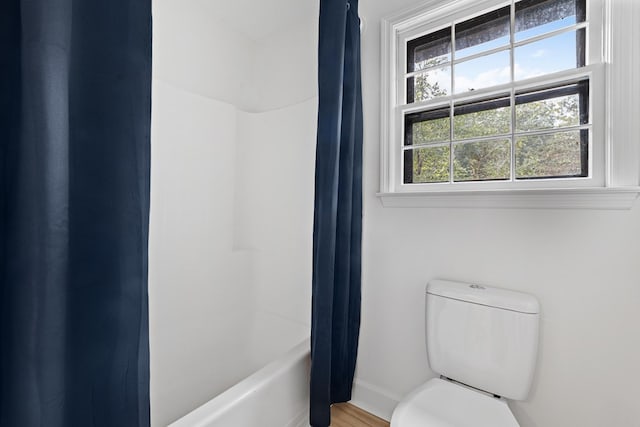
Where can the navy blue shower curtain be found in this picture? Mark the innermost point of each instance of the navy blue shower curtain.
(75, 88)
(337, 232)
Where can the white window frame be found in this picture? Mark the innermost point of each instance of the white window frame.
(613, 180)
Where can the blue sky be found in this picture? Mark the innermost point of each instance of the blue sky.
(544, 56)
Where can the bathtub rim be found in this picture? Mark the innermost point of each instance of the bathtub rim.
(234, 395)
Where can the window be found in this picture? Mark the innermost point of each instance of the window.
(517, 133)
(496, 95)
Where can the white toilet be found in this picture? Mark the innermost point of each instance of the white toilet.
(483, 342)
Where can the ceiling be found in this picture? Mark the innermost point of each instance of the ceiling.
(258, 19)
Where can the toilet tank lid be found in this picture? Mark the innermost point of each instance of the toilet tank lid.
(485, 295)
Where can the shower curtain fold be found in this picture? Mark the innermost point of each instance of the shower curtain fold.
(75, 89)
(338, 210)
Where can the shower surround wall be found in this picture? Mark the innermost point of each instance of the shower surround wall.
(233, 145)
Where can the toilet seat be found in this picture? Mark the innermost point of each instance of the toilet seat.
(440, 403)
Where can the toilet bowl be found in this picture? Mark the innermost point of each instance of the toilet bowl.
(483, 342)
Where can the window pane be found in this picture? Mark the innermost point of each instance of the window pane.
(550, 55)
(428, 51)
(562, 154)
(480, 119)
(483, 72)
(555, 108)
(429, 85)
(482, 160)
(483, 33)
(425, 165)
(535, 17)
(427, 127)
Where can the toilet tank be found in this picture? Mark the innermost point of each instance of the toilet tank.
(482, 336)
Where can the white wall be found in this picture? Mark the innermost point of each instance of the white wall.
(286, 70)
(582, 265)
(195, 50)
(233, 140)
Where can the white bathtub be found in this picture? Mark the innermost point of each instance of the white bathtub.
(275, 396)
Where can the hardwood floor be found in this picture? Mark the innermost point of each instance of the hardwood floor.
(347, 415)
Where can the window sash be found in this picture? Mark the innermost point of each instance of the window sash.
(446, 42)
(580, 88)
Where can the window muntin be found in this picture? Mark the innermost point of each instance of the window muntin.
(493, 129)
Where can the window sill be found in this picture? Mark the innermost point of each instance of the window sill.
(610, 198)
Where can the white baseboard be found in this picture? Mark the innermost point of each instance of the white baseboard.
(374, 399)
